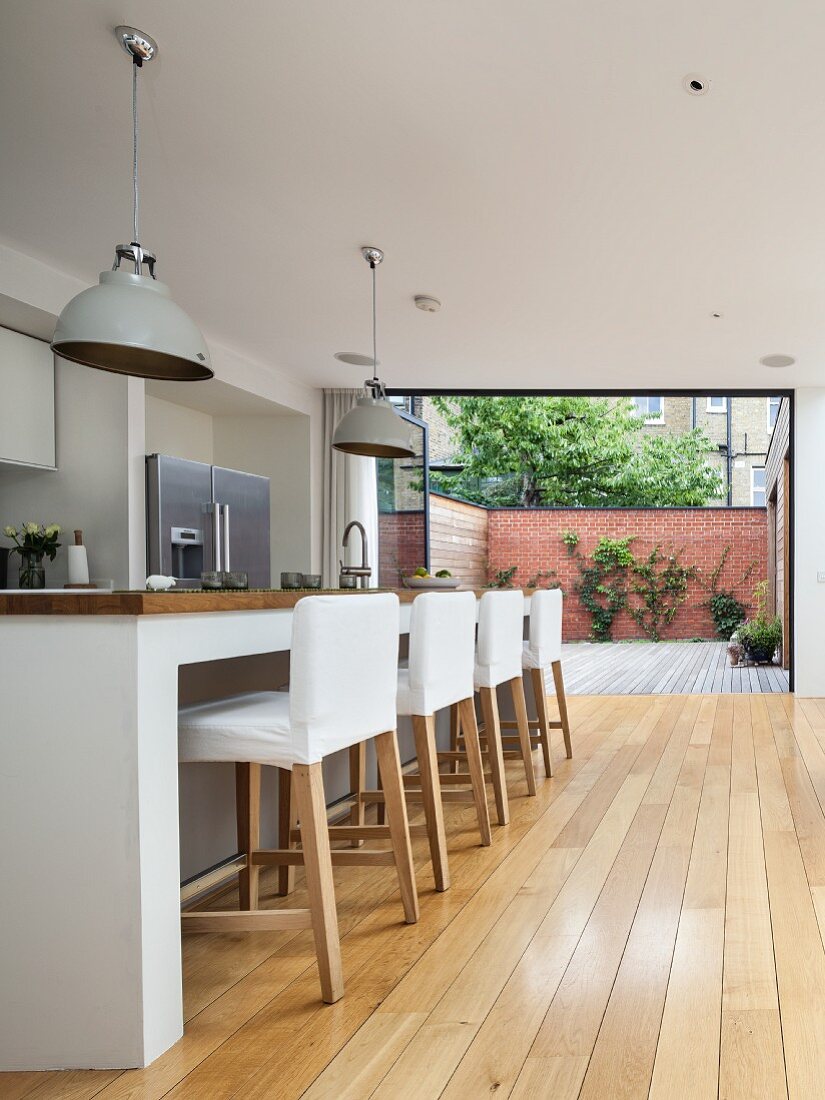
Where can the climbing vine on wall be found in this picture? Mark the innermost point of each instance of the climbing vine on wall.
(612, 579)
(603, 583)
(661, 583)
(727, 610)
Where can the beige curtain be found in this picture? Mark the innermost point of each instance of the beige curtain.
(350, 492)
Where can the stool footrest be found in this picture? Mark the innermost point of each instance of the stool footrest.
(510, 740)
(258, 920)
(449, 778)
(371, 796)
(508, 725)
(341, 857)
(446, 796)
(449, 754)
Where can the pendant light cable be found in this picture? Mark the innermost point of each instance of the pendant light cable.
(374, 328)
(136, 64)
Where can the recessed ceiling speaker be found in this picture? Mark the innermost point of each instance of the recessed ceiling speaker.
(427, 303)
(777, 361)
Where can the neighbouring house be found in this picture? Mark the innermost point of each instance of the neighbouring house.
(777, 489)
(740, 428)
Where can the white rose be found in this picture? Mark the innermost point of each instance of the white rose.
(10, 532)
(52, 530)
(31, 528)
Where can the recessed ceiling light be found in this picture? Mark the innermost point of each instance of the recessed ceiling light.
(777, 360)
(427, 303)
(355, 359)
(695, 84)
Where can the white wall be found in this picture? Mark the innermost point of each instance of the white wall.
(174, 430)
(809, 542)
(278, 447)
(90, 487)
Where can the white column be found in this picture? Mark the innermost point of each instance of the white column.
(809, 542)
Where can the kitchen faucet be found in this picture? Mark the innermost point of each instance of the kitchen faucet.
(363, 570)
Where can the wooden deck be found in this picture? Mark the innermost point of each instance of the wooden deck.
(663, 668)
(648, 926)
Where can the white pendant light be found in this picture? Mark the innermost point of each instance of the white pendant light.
(129, 324)
(373, 427)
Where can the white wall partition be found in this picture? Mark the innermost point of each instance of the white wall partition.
(98, 483)
(809, 542)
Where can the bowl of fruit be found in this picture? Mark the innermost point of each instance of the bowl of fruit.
(422, 578)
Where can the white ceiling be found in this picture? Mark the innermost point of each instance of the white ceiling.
(536, 165)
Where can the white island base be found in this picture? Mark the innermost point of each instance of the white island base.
(90, 951)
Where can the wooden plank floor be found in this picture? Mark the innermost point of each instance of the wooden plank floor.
(650, 925)
(663, 668)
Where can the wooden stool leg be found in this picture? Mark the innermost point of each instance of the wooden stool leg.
(455, 730)
(357, 783)
(522, 721)
(308, 786)
(380, 807)
(558, 680)
(425, 750)
(492, 732)
(540, 693)
(389, 765)
(472, 746)
(287, 821)
(248, 810)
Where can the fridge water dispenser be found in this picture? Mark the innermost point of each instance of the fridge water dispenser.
(187, 552)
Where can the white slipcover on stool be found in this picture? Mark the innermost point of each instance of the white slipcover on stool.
(540, 653)
(342, 691)
(498, 661)
(439, 674)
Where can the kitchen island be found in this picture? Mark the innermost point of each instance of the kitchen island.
(89, 808)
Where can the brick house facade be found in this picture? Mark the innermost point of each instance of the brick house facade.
(749, 422)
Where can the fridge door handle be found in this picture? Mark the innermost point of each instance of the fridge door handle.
(226, 560)
(214, 510)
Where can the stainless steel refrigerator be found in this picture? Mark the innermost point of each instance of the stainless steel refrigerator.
(202, 518)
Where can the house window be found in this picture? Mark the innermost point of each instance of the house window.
(402, 403)
(773, 411)
(717, 404)
(758, 486)
(651, 408)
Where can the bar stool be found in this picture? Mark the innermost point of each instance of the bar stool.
(440, 675)
(342, 691)
(543, 652)
(498, 661)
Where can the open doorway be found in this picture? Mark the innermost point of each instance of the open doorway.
(667, 526)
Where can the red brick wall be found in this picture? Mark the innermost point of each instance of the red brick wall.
(530, 539)
(400, 546)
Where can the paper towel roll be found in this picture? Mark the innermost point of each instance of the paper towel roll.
(77, 561)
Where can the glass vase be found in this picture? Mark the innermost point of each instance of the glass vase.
(32, 571)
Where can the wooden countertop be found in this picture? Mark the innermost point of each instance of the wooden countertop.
(169, 603)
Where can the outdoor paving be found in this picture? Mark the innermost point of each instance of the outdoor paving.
(663, 668)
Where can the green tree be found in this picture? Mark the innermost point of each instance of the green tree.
(575, 451)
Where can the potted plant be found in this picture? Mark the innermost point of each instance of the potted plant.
(761, 636)
(33, 542)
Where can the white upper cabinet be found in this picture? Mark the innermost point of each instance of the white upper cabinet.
(26, 401)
